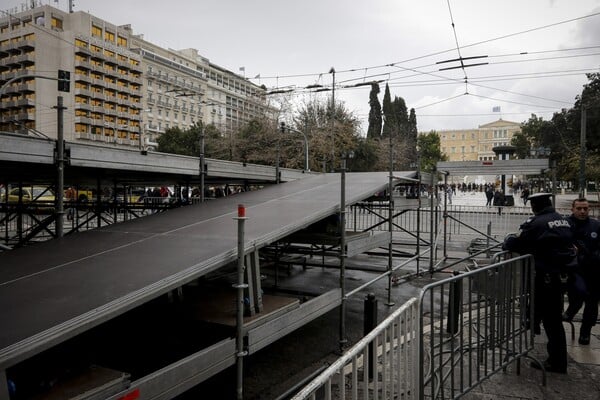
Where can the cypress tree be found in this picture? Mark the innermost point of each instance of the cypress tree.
(374, 130)
(389, 121)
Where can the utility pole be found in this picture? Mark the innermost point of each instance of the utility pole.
(582, 152)
(332, 72)
(60, 167)
(202, 164)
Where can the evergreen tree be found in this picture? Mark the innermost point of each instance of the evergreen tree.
(431, 153)
(389, 122)
(375, 120)
(400, 117)
(412, 133)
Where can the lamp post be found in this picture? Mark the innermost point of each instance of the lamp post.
(582, 152)
(202, 165)
(141, 131)
(541, 151)
(345, 156)
(332, 72)
(283, 128)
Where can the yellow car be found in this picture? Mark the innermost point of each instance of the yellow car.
(40, 194)
(39, 199)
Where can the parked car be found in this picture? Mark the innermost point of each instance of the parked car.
(30, 193)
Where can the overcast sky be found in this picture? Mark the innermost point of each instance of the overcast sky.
(295, 43)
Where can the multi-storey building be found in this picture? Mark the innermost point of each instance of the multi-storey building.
(121, 85)
(477, 144)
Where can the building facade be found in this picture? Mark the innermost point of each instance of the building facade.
(477, 144)
(123, 90)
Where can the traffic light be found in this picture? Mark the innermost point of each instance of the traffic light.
(64, 81)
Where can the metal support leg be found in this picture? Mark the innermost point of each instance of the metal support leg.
(255, 275)
(249, 291)
(4, 393)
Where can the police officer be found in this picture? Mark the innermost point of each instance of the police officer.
(586, 232)
(548, 237)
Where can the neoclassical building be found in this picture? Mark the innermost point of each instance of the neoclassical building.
(121, 85)
(477, 144)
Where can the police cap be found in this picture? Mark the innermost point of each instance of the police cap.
(540, 199)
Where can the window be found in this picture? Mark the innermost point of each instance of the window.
(96, 31)
(109, 36)
(121, 41)
(57, 23)
(81, 43)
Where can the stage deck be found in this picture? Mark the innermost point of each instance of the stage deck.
(54, 290)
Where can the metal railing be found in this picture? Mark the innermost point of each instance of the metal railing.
(473, 325)
(392, 347)
(461, 220)
(460, 331)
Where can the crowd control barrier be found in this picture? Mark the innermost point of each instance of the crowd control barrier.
(460, 331)
(394, 346)
(473, 325)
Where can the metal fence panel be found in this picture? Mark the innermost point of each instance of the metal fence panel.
(473, 325)
(393, 344)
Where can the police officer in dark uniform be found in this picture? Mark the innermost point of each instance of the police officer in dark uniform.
(587, 239)
(548, 237)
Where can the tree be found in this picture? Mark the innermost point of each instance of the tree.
(177, 141)
(522, 145)
(375, 120)
(389, 122)
(400, 117)
(316, 116)
(412, 133)
(430, 151)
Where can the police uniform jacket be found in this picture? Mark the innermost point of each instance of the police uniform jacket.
(587, 240)
(549, 238)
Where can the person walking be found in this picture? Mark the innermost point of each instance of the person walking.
(525, 195)
(549, 238)
(489, 195)
(586, 232)
(499, 200)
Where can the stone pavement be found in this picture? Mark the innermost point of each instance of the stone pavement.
(582, 381)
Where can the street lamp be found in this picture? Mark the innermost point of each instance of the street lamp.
(332, 72)
(202, 165)
(542, 151)
(141, 131)
(283, 128)
(345, 156)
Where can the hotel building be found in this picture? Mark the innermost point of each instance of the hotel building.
(121, 86)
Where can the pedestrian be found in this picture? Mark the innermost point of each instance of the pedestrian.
(586, 232)
(499, 200)
(71, 196)
(449, 192)
(525, 195)
(489, 195)
(549, 238)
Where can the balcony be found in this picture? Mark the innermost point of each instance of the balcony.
(26, 45)
(83, 92)
(83, 120)
(26, 116)
(25, 103)
(83, 63)
(83, 106)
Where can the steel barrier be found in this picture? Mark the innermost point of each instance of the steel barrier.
(394, 345)
(461, 220)
(461, 331)
(473, 325)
